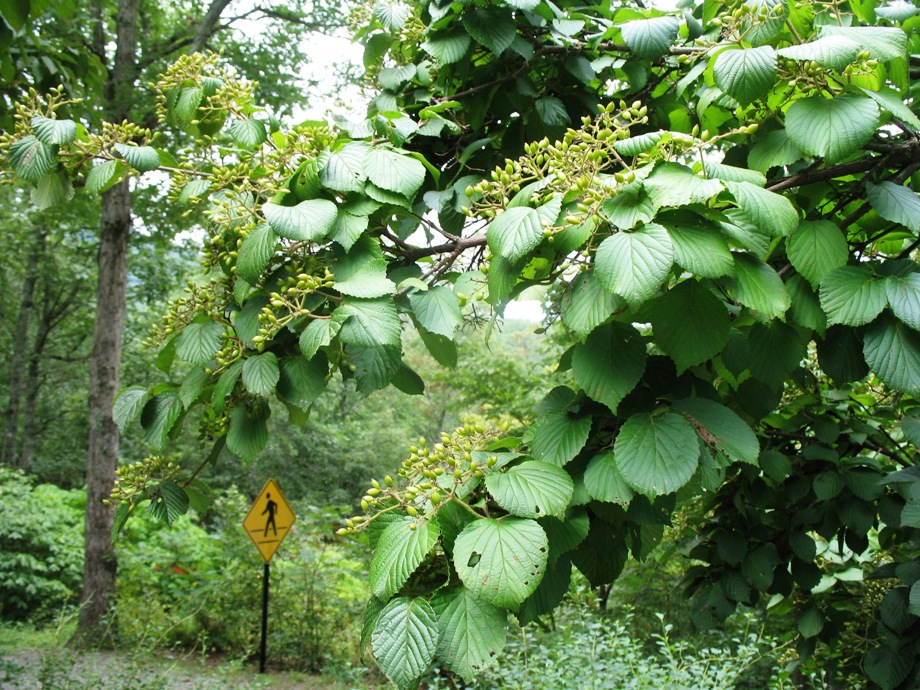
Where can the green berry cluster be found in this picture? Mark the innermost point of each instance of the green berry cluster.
(432, 476)
(140, 478)
(289, 302)
(199, 299)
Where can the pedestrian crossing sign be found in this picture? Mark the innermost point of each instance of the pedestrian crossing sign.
(269, 520)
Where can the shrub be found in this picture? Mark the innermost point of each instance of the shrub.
(41, 547)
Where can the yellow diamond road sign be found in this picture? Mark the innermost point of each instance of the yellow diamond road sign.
(269, 520)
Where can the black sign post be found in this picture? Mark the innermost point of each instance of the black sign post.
(264, 618)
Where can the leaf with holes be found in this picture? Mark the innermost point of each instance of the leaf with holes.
(472, 631)
(532, 489)
(501, 561)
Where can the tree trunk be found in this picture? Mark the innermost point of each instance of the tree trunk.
(100, 563)
(12, 416)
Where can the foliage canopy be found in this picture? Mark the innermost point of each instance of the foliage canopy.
(720, 200)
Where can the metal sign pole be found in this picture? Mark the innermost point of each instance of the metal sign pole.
(264, 618)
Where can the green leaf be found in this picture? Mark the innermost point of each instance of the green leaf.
(307, 221)
(721, 429)
(472, 631)
(771, 213)
(198, 343)
(105, 176)
(887, 667)
(903, 294)
(261, 373)
(318, 333)
(447, 47)
(532, 489)
(633, 146)
(816, 249)
(348, 228)
(776, 350)
(689, 323)
(835, 52)
(405, 639)
(758, 287)
(495, 29)
(896, 203)
(344, 169)
(141, 158)
(773, 149)
(248, 133)
(394, 171)
(375, 366)
(369, 323)
(890, 101)
(392, 15)
(192, 385)
(702, 250)
(193, 189)
(54, 132)
(159, 415)
(610, 363)
(362, 278)
(832, 128)
(400, 551)
(53, 189)
(587, 305)
(515, 233)
(758, 566)
(501, 561)
(302, 380)
(31, 159)
(437, 310)
(558, 438)
(631, 206)
(892, 351)
(552, 111)
(635, 264)
(883, 43)
(255, 253)
(657, 455)
(16, 13)
(550, 593)
(171, 502)
(248, 431)
(730, 173)
(604, 482)
(805, 308)
(852, 295)
(745, 74)
(128, 405)
(650, 38)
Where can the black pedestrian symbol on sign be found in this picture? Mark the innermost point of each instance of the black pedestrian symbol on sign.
(270, 507)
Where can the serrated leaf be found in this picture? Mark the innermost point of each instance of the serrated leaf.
(437, 310)
(515, 233)
(309, 220)
(365, 279)
(248, 431)
(634, 265)
(141, 158)
(689, 323)
(317, 334)
(903, 294)
(771, 213)
(472, 632)
(105, 176)
(53, 189)
(193, 384)
(369, 323)
(128, 405)
(758, 287)
(399, 552)
(375, 366)
(731, 173)
(702, 250)
(892, 351)
(343, 170)
(890, 101)
(494, 29)
(721, 429)
(302, 380)
(816, 249)
(887, 667)
(225, 385)
(255, 253)
(393, 171)
(405, 638)
(896, 203)
(776, 350)
(835, 52)
(159, 415)
(587, 305)
(198, 343)
(31, 159)
(248, 133)
(631, 206)
(852, 295)
(501, 561)
(656, 455)
(447, 47)
(746, 74)
(671, 184)
(348, 228)
(633, 146)
(54, 132)
(610, 363)
(532, 489)
(261, 373)
(883, 43)
(193, 189)
(650, 38)
(773, 149)
(552, 111)
(832, 128)
(171, 502)
(558, 438)
(603, 480)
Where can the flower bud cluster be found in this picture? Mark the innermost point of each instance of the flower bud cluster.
(199, 299)
(141, 478)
